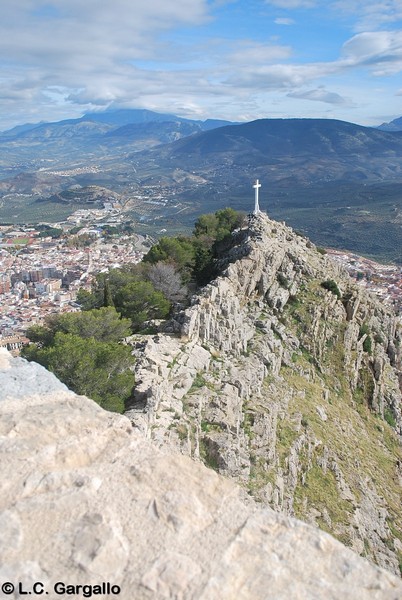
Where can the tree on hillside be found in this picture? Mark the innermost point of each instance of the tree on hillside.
(83, 350)
(41, 335)
(215, 227)
(140, 301)
(169, 266)
(107, 294)
(166, 279)
(206, 225)
(104, 325)
(177, 250)
(87, 300)
(99, 370)
(106, 285)
(210, 232)
(204, 267)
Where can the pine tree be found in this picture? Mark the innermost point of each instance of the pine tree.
(107, 294)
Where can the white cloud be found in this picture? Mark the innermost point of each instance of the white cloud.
(88, 48)
(95, 31)
(380, 51)
(251, 53)
(319, 95)
(284, 21)
(370, 14)
(80, 55)
(280, 76)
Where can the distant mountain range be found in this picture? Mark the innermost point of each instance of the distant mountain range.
(194, 143)
(338, 182)
(343, 148)
(95, 136)
(125, 123)
(395, 125)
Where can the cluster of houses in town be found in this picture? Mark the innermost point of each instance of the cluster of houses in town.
(41, 276)
(383, 280)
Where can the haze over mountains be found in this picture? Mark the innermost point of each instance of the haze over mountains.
(336, 181)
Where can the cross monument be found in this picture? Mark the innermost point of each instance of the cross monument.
(256, 186)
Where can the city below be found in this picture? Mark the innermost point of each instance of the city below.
(40, 275)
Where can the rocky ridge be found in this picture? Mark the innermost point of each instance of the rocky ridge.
(278, 378)
(86, 499)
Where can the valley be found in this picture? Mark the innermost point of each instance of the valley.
(338, 183)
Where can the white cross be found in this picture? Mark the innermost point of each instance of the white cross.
(256, 186)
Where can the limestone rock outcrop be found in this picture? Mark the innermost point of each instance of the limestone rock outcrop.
(88, 501)
(285, 375)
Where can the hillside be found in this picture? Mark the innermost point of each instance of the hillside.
(346, 149)
(291, 137)
(88, 502)
(285, 376)
(337, 182)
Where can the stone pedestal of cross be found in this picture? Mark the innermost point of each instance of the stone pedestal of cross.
(256, 186)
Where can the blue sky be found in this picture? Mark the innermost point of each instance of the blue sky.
(231, 59)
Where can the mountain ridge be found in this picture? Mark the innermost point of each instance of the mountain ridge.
(285, 376)
(281, 137)
(395, 125)
(114, 119)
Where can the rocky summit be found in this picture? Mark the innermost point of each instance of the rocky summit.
(89, 507)
(285, 376)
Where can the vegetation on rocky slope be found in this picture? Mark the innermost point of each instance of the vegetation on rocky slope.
(173, 269)
(84, 349)
(284, 376)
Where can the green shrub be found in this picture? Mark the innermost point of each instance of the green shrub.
(199, 382)
(97, 369)
(367, 345)
(389, 417)
(364, 330)
(282, 280)
(331, 286)
(379, 339)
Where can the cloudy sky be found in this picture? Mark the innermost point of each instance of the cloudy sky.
(233, 59)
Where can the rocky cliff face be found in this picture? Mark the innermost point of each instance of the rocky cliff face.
(87, 501)
(288, 387)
